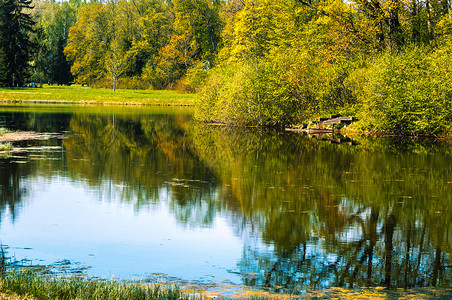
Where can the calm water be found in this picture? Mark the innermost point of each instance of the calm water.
(131, 193)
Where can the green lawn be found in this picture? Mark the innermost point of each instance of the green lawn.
(87, 95)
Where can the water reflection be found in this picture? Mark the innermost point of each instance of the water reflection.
(16, 168)
(11, 190)
(138, 156)
(309, 214)
(374, 214)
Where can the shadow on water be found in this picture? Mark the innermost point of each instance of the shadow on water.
(311, 214)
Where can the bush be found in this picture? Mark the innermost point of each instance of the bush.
(244, 94)
(284, 89)
(405, 93)
(4, 130)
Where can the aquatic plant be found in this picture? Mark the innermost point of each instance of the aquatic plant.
(6, 146)
(4, 130)
(40, 287)
(25, 282)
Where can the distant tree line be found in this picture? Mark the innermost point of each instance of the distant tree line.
(251, 62)
(142, 43)
(146, 43)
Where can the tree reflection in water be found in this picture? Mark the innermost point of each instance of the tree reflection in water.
(12, 191)
(312, 215)
(143, 158)
(375, 214)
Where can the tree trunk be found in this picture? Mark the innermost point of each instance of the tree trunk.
(389, 229)
(395, 31)
(415, 33)
(429, 19)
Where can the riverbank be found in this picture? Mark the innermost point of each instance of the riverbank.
(21, 286)
(77, 94)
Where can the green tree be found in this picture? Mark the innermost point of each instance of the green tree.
(53, 20)
(201, 21)
(88, 44)
(195, 37)
(143, 57)
(16, 47)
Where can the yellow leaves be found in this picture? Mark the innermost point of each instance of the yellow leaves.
(259, 27)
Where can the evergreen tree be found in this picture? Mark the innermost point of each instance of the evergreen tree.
(16, 46)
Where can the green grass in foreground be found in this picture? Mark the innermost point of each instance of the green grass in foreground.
(87, 95)
(29, 285)
(23, 285)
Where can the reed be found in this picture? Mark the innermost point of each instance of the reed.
(4, 130)
(26, 284)
(6, 146)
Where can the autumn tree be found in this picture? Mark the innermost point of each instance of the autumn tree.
(87, 44)
(154, 28)
(195, 38)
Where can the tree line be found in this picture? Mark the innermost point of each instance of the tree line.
(283, 62)
(251, 62)
(145, 43)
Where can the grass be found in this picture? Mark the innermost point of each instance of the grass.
(4, 130)
(6, 146)
(87, 95)
(28, 285)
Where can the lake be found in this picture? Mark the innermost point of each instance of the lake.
(148, 193)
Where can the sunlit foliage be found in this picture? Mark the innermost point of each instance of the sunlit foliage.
(252, 62)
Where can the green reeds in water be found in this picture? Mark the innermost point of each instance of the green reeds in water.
(28, 284)
(4, 130)
(6, 146)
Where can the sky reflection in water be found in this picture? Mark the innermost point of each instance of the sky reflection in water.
(67, 220)
(130, 194)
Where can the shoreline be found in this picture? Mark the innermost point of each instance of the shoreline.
(87, 102)
(26, 283)
(78, 95)
(58, 286)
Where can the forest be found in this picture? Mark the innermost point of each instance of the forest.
(250, 62)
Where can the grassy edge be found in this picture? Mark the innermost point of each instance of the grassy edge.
(85, 95)
(28, 285)
(25, 285)
(5, 146)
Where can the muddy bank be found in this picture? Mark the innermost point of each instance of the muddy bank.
(19, 136)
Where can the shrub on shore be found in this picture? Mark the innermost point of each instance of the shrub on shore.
(280, 90)
(406, 93)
